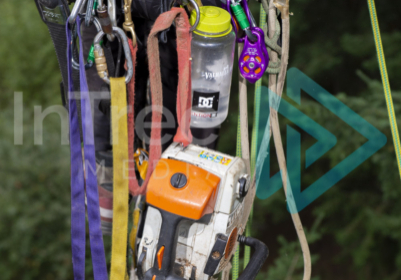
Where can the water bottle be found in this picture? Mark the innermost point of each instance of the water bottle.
(212, 51)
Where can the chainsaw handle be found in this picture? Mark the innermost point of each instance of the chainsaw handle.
(257, 260)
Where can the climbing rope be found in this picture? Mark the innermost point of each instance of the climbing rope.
(273, 68)
(256, 111)
(386, 82)
(238, 153)
(242, 142)
(255, 129)
(276, 86)
(283, 6)
(271, 43)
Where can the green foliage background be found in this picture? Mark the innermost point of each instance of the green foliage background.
(354, 228)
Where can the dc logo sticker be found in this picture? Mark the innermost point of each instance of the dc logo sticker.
(205, 102)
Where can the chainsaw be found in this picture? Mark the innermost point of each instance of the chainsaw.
(192, 225)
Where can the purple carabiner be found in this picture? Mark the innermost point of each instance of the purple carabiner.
(254, 58)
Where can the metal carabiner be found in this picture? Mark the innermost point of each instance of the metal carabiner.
(193, 27)
(88, 65)
(128, 24)
(112, 9)
(100, 59)
(240, 11)
(105, 19)
(196, 7)
(79, 4)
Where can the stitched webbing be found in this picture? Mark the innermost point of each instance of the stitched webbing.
(182, 26)
(120, 178)
(83, 179)
(134, 187)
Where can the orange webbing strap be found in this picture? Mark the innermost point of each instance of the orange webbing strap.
(133, 183)
(164, 21)
(155, 139)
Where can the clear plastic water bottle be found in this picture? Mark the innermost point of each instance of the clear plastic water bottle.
(213, 46)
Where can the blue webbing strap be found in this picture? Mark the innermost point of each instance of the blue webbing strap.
(78, 178)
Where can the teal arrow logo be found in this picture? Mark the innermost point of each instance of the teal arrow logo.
(297, 82)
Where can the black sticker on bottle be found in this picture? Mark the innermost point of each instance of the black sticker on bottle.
(205, 104)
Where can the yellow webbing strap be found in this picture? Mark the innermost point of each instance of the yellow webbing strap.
(385, 80)
(120, 180)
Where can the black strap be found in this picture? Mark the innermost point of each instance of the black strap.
(54, 14)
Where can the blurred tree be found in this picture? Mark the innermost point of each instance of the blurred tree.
(28, 62)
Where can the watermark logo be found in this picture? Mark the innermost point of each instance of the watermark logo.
(268, 184)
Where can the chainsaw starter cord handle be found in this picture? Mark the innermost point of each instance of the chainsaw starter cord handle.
(258, 257)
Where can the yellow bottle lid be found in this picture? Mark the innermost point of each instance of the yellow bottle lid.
(214, 22)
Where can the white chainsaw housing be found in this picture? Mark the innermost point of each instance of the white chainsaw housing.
(196, 240)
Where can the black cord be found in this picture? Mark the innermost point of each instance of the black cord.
(118, 64)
